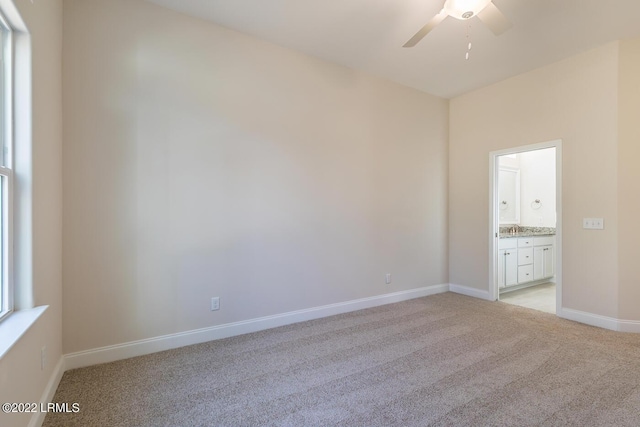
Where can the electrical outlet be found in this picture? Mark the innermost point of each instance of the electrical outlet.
(387, 278)
(43, 357)
(215, 303)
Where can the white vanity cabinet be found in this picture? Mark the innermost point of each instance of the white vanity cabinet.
(543, 258)
(525, 259)
(507, 262)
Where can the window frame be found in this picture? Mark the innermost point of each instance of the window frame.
(6, 170)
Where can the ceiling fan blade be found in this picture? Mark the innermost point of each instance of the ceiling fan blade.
(494, 19)
(425, 30)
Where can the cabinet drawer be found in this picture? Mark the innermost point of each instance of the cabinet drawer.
(543, 241)
(508, 243)
(525, 273)
(525, 242)
(525, 256)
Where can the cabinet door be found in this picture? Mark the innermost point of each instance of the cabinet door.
(543, 260)
(510, 267)
(507, 267)
(501, 266)
(549, 260)
(538, 262)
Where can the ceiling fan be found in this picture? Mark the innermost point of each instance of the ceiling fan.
(485, 10)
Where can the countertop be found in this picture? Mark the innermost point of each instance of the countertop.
(525, 234)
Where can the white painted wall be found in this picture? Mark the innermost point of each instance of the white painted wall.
(509, 195)
(21, 378)
(629, 179)
(574, 100)
(538, 182)
(201, 162)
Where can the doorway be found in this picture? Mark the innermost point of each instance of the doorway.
(526, 226)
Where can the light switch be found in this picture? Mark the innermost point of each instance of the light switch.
(593, 223)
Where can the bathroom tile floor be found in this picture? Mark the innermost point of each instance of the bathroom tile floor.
(540, 297)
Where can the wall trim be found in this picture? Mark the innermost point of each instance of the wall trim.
(494, 225)
(471, 292)
(605, 322)
(589, 318)
(166, 342)
(49, 391)
(629, 326)
(16, 324)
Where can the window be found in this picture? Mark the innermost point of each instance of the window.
(6, 172)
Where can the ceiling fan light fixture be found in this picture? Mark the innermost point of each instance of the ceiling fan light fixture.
(464, 9)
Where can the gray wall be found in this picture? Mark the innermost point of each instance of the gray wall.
(574, 100)
(200, 162)
(39, 234)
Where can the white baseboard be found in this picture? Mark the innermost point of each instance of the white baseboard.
(471, 292)
(181, 339)
(605, 322)
(50, 390)
(629, 326)
(589, 318)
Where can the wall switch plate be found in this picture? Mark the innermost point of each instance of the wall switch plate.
(593, 223)
(387, 278)
(215, 303)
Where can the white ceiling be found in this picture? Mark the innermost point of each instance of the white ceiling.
(368, 35)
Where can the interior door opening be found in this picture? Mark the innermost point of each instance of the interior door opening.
(526, 226)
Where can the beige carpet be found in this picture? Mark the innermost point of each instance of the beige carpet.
(443, 360)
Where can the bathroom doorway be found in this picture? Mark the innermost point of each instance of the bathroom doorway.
(526, 229)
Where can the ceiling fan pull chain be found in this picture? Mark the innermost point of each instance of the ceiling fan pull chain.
(468, 42)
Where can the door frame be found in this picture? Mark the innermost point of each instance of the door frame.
(494, 225)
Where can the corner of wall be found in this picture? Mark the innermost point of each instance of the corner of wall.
(628, 179)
